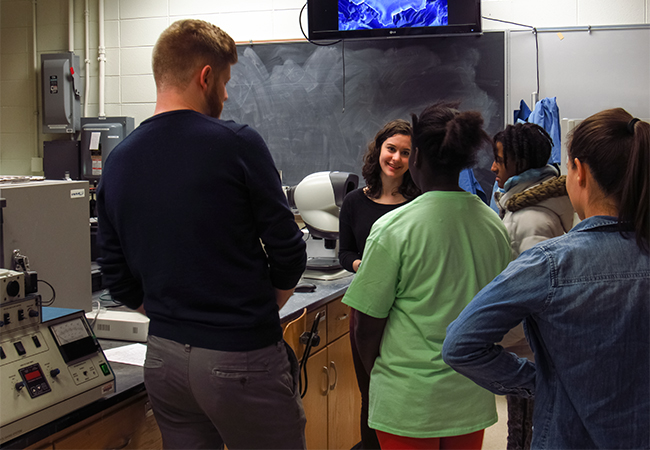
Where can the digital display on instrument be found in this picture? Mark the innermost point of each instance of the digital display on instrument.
(29, 376)
(35, 381)
(70, 331)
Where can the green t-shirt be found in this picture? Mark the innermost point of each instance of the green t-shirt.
(422, 265)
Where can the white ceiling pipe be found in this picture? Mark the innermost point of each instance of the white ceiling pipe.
(71, 25)
(86, 56)
(102, 59)
(37, 79)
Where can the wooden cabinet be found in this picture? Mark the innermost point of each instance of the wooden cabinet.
(332, 402)
(129, 425)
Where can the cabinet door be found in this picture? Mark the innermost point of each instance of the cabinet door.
(122, 429)
(338, 319)
(344, 407)
(315, 400)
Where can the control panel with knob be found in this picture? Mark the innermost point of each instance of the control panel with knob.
(52, 363)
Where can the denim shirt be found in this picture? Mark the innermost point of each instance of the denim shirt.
(584, 298)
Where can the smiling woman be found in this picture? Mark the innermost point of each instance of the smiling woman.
(388, 186)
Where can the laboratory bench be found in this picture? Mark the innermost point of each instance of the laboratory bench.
(124, 418)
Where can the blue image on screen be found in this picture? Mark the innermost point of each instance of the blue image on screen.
(374, 14)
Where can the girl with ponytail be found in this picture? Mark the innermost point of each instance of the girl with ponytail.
(584, 298)
(423, 263)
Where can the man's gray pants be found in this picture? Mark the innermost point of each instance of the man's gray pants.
(204, 398)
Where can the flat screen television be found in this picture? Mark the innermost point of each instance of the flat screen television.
(364, 19)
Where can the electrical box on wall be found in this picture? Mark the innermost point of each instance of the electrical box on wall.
(61, 159)
(99, 136)
(61, 98)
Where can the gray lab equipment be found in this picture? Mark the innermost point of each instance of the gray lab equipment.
(48, 222)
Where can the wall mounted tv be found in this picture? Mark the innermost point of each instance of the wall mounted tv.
(364, 19)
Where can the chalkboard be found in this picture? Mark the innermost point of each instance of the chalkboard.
(293, 94)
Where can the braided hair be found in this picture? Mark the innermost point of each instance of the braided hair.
(526, 144)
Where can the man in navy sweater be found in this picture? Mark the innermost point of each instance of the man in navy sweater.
(196, 233)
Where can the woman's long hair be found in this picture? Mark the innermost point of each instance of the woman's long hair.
(371, 170)
(616, 147)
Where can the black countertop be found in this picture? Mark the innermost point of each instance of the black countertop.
(129, 379)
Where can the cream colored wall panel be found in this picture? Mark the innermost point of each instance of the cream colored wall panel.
(112, 34)
(93, 110)
(536, 13)
(17, 92)
(286, 25)
(111, 10)
(289, 4)
(141, 32)
(136, 9)
(189, 8)
(112, 89)
(15, 40)
(139, 112)
(52, 38)
(136, 61)
(16, 166)
(16, 13)
(79, 7)
(18, 66)
(17, 145)
(192, 8)
(212, 18)
(110, 109)
(80, 41)
(243, 27)
(113, 109)
(51, 12)
(17, 119)
(112, 61)
(138, 89)
(604, 12)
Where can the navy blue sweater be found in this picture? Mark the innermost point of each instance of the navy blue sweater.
(184, 205)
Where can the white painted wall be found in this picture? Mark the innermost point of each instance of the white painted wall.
(132, 27)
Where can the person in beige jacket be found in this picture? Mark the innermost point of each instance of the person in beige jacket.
(534, 207)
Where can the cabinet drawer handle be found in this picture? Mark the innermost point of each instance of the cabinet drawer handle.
(336, 375)
(343, 317)
(327, 379)
(124, 445)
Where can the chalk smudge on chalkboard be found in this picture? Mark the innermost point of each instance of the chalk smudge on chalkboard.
(291, 93)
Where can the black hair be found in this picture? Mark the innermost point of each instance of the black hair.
(616, 147)
(527, 145)
(371, 170)
(447, 138)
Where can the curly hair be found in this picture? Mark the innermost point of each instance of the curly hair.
(371, 170)
(526, 144)
(448, 138)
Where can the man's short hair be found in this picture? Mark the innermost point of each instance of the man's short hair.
(525, 146)
(187, 45)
